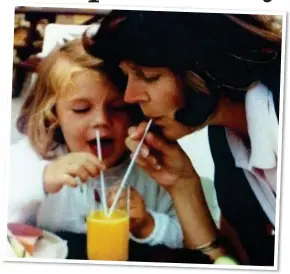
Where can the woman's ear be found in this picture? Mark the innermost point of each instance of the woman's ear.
(194, 81)
(201, 99)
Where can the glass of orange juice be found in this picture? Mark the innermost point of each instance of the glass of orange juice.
(108, 237)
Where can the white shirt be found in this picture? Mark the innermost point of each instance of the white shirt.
(260, 162)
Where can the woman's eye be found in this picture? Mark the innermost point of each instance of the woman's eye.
(150, 79)
(147, 78)
(81, 110)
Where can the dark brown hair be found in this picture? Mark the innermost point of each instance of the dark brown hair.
(220, 53)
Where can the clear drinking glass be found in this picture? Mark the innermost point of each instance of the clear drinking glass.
(108, 236)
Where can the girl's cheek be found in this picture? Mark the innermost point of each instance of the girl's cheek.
(122, 132)
(122, 120)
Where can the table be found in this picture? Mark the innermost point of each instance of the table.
(137, 252)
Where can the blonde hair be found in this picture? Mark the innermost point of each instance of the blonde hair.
(38, 119)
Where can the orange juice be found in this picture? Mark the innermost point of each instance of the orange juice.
(108, 238)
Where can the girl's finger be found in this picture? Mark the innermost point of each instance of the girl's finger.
(112, 192)
(112, 196)
(67, 179)
(81, 172)
(110, 201)
(77, 170)
(95, 160)
(92, 169)
(122, 204)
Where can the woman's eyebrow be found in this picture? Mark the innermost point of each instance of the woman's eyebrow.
(138, 71)
(134, 67)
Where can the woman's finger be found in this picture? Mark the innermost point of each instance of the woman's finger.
(139, 161)
(139, 131)
(150, 161)
(131, 130)
(133, 144)
(159, 144)
(149, 169)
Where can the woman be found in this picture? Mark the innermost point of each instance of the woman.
(188, 71)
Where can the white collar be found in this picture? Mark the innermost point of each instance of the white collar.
(262, 129)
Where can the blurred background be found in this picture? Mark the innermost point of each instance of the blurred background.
(29, 30)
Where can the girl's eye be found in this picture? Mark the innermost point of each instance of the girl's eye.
(81, 110)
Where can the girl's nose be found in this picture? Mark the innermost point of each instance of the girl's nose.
(101, 118)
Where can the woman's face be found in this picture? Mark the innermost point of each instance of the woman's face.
(159, 93)
(94, 103)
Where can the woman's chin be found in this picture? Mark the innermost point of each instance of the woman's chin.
(174, 133)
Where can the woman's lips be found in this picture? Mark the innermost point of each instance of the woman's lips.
(158, 121)
(107, 147)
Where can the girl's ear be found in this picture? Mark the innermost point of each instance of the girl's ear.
(58, 136)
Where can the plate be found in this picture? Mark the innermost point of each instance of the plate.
(50, 246)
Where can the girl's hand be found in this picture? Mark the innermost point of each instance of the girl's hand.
(65, 169)
(165, 162)
(141, 222)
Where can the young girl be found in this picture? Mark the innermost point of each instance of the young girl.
(74, 96)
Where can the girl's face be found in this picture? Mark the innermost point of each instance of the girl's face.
(159, 93)
(94, 103)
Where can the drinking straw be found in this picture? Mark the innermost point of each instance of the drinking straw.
(103, 192)
(129, 169)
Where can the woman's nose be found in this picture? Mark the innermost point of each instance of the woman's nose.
(135, 93)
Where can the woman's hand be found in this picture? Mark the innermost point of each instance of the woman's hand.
(141, 222)
(65, 169)
(165, 162)
(178, 176)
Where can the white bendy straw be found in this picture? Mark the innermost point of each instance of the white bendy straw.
(128, 171)
(103, 191)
